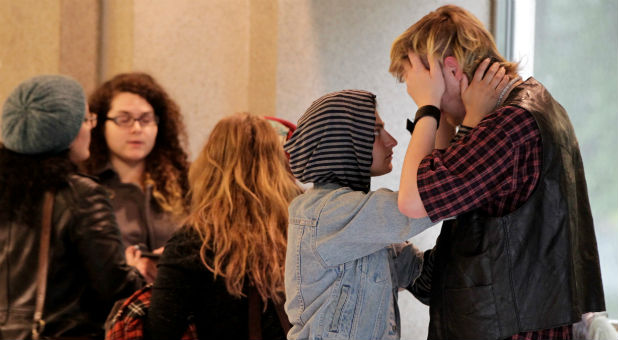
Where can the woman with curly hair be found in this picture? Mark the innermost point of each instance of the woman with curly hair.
(45, 133)
(224, 268)
(136, 152)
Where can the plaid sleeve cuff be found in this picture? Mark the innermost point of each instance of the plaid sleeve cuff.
(462, 131)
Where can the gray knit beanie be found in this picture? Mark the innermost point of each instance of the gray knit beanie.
(43, 115)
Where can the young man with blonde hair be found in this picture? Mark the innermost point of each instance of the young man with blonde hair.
(519, 260)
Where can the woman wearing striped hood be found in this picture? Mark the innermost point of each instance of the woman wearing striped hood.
(342, 269)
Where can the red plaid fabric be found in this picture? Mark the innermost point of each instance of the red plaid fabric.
(494, 168)
(558, 333)
(128, 322)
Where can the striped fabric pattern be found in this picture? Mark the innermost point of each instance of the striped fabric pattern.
(333, 141)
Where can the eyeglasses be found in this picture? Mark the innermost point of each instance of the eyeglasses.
(128, 121)
(91, 120)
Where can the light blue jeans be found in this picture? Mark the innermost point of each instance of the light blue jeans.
(342, 268)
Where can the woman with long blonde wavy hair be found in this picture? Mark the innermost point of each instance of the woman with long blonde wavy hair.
(228, 258)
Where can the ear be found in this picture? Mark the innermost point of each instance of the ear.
(452, 67)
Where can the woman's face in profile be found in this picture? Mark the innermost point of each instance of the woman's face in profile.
(79, 150)
(382, 153)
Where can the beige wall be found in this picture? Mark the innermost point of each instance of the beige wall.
(48, 36)
(263, 57)
(30, 41)
(79, 41)
(116, 44)
(198, 51)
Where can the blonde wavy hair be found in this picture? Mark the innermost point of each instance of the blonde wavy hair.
(448, 31)
(241, 186)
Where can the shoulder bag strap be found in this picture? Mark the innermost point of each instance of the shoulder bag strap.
(41, 281)
(255, 314)
(255, 319)
(283, 318)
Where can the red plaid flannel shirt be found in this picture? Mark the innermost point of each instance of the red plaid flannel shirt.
(495, 168)
(127, 322)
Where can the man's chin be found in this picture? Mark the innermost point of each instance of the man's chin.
(454, 119)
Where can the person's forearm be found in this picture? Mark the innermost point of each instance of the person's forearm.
(445, 133)
(421, 145)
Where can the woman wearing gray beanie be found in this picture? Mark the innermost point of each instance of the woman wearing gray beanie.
(45, 132)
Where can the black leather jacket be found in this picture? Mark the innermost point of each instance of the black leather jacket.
(87, 268)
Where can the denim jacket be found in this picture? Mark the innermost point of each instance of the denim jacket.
(342, 270)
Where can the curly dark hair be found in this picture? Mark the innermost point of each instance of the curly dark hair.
(24, 179)
(166, 165)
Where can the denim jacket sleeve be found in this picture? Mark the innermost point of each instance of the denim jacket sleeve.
(352, 224)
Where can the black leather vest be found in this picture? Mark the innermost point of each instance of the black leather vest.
(535, 268)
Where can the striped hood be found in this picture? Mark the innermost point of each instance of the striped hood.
(333, 142)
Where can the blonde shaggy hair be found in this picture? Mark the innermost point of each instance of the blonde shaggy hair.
(241, 187)
(448, 31)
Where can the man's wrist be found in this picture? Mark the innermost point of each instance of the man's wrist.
(471, 120)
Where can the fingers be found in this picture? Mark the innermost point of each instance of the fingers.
(147, 268)
(151, 270)
(498, 77)
(503, 83)
(434, 66)
(491, 75)
(132, 255)
(425, 86)
(491, 72)
(415, 61)
(417, 64)
(463, 84)
(132, 251)
(480, 71)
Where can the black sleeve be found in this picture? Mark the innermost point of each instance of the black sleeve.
(421, 287)
(176, 287)
(407, 264)
(96, 237)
